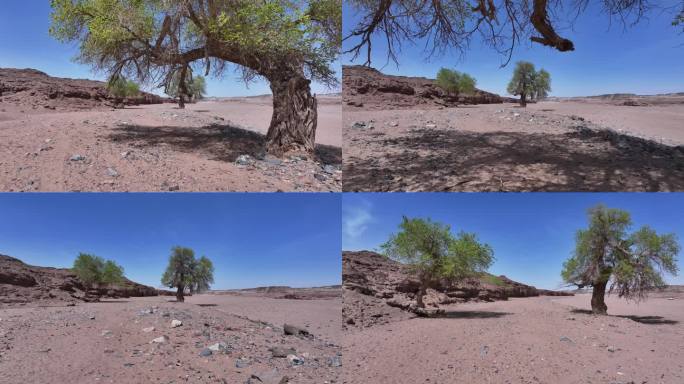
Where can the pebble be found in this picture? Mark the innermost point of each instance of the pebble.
(148, 329)
(335, 361)
(205, 352)
(77, 157)
(112, 172)
(176, 323)
(160, 340)
(241, 363)
(295, 360)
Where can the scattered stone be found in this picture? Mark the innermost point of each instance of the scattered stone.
(111, 172)
(484, 350)
(329, 169)
(160, 340)
(359, 125)
(393, 124)
(106, 333)
(244, 160)
(220, 347)
(282, 351)
(295, 360)
(176, 323)
(77, 157)
(430, 126)
(610, 348)
(335, 361)
(566, 339)
(128, 365)
(320, 177)
(272, 377)
(516, 114)
(205, 352)
(296, 331)
(91, 317)
(241, 363)
(148, 329)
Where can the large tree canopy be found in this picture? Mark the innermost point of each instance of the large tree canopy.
(608, 256)
(501, 24)
(528, 83)
(288, 42)
(187, 274)
(434, 254)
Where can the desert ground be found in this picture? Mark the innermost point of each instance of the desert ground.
(222, 339)
(525, 340)
(404, 134)
(161, 148)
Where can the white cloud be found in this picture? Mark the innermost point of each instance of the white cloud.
(355, 220)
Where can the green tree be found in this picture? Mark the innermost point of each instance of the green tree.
(608, 257)
(289, 43)
(527, 82)
(455, 83)
(195, 85)
(120, 88)
(185, 273)
(434, 255)
(91, 270)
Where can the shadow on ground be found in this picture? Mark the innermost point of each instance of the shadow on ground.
(582, 160)
(218, 142)
(639, 319)
(472, 315)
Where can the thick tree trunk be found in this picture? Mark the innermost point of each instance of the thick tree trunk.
(293, 124)
(523, 100)
(598, 303)
(421, 293)
(179, 294)
(181, 102)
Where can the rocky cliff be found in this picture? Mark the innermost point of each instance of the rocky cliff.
(368, 88)
(22, 283)
(372, 283)
(29, 88)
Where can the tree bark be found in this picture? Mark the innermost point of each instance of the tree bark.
(598, 304)
(179, 294)
(523, 100)
(293, 124)
(421, 294)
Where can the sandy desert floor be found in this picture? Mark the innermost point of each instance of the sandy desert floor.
(550, 146)
(162, 148)
(528, 340)
(111, 342)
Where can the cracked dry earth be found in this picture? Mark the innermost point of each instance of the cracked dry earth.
(133, 341)
(550, 146)
(209, 146)
(525, 341)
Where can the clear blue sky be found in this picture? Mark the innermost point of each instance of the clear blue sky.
(253, 239)
(26, 43)
(645, 59)
(531, 233)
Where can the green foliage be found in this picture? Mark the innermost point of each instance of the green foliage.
(491, 279)
(184, 272)
(528, 83)
(632, 263)
(121, 88)
(93, 270)
(454, 82)
(135, 36)
(433, 253)
(195, 85)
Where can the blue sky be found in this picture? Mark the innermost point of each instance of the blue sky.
(645, 59)
(531, 233)
(26, 43)
(253, 239)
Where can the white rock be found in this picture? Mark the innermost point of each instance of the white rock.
(160, 340)
(148, 329)
(176, 323)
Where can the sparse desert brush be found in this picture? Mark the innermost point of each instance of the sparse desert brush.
(92, 270)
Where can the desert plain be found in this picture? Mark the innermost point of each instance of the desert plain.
(404, 134)
(64, 135)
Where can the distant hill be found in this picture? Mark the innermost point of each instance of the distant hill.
(366, 87)
(21, 283)
(33, 89)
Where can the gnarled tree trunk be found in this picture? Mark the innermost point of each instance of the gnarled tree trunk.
(293, 124)
(421, 293)
(598, 295)
(523, 100)
(179, 294)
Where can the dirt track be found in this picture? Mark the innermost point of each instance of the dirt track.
(529, 340)
(107, 343)
(550, 146)
(161, 148)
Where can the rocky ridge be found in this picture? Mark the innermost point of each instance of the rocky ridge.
(21, 283)
(30, 88)
(368, 88)
(377, 290)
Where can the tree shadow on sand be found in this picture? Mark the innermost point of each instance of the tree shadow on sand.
(471, 315)
(582, 160)
(639, 319)
(218, 142)
(207, 305)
